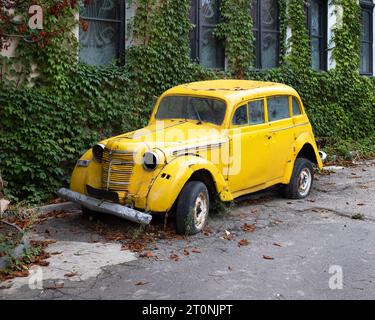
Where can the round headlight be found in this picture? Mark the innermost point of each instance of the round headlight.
(150, 160)
(97, 152)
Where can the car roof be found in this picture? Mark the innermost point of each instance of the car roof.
(230, 90)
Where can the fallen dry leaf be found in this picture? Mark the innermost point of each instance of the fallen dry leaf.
(147, 254)
(42, 263)
(174, 257)
(230, 268)
(243, 242)
(277, 244)
(134, 246)
(268, 257)
(248, 227)
(21, 273)
(70, 274)
(195, 250)
(360, 204)
(207, 231)
(57, 286)
(141, 283)
(186, 252)
(57, 200)
(55, 253)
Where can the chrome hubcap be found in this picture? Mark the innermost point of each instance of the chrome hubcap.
(304, 182)
(200, 210)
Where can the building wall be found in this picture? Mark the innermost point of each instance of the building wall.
(334, 18)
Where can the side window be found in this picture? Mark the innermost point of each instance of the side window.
(295, 106)
(240, 116)
(256, 112)
(278, 108)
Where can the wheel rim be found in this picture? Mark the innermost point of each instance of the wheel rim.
(200, 210)
(304, 182)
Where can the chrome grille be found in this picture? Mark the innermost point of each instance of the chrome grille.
(117, 169)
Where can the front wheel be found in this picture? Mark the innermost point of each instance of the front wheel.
(192, 208)
(301, 181)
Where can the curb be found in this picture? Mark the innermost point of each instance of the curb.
(58, 207)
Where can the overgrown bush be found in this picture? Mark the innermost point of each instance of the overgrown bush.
(42, 133)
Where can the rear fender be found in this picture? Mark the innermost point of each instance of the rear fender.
(300, 142)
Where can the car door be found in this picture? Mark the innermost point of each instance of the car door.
(248, 146)
(280, 135)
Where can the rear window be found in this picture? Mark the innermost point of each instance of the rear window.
(278, 108)
(256, 112)
(296, 108)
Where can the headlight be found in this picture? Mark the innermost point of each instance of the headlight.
(150, 160)
(97, 152)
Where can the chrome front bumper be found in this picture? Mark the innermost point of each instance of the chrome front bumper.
(105, 206)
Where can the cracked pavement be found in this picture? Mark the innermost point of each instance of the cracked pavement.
(289, 256)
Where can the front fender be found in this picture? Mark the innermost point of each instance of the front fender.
(170, 181)
(304, 138)
(82, 176)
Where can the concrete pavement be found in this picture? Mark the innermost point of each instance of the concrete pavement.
(300, 249)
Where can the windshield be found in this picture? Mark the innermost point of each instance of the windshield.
(194, 108)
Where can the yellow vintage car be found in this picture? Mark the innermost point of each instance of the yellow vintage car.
(205, 140)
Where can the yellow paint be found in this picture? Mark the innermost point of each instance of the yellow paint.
(239, 159)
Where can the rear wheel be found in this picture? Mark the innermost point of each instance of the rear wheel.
(193, 206)
(301, 181)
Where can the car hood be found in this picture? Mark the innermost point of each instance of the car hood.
(168, 136)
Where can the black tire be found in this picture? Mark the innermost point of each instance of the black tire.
(193, 197)
(303, 169)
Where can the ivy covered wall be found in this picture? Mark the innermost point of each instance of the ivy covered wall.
(44, 128)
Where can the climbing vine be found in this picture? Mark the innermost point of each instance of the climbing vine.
(161, 57)
(298, 43)
(347, 35)
(236, 31)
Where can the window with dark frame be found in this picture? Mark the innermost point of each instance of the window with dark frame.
(240, 116)
(316, 18)
(266, 32)
(366, 57)
(104, 41)
(278, 108)
(205, 48)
